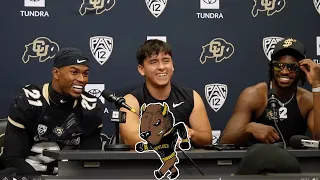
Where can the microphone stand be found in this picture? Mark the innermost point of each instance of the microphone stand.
(276, 119)
(116, 146)
(274, 112)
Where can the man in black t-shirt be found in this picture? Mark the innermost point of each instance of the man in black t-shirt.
(156, 65)
(54, 116)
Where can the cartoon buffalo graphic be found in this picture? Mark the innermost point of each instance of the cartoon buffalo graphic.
(158, 128)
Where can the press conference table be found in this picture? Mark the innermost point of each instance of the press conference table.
(132, 164)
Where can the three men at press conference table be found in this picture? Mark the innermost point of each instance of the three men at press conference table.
(155, 63)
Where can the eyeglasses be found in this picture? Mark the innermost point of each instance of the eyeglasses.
(292, 67)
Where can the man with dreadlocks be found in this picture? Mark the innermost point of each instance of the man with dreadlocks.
(252, 120)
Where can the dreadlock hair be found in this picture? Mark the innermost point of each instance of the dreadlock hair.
(302, 75)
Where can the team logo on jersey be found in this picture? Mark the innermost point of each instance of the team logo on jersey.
(95, 90)
(216, 95)
(218, 49)
(269, 114)
(156, 7)
(317, 5)
(41, 48)
(271, 6)
(42, 129)
(99, 6)
(268, 44)
(101, 48)
(58, 131)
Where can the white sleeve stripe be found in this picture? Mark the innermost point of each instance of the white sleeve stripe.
(15, 123)
(45, 92)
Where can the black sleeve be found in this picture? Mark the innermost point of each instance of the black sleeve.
(92, 142)
(16, 147)
(94, 122)
(17, 139)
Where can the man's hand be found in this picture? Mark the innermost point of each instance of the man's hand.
(264, 133)
(312, 71)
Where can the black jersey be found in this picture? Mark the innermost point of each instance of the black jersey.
(180, 101)
(50, 126)
(291, 121)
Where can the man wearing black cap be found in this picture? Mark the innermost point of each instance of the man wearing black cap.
(54, 116)
(252, 120)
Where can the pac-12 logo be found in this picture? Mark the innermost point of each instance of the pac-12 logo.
(216, 95)
(42, 48)
(156, 7)
(99, 6)
(218, 49)
(101, 48)
(268, 44)
(271, 6)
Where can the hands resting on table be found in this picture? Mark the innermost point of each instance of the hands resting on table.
(264, 133)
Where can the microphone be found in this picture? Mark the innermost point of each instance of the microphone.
(272, 101)
(300, 142)
(118, 101)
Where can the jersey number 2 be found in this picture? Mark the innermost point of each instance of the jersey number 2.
(34, 95)
(283, 113)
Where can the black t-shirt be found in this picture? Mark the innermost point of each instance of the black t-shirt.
(180, 101)
(36, 123)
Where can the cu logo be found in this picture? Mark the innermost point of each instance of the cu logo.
(210, 1)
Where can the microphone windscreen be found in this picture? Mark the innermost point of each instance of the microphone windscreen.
(106, 94)
(295, 141)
